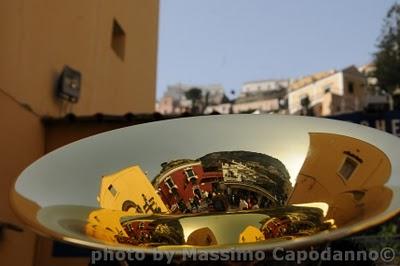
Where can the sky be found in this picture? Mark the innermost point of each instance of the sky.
(231, 42)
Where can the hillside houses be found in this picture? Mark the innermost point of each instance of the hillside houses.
(320, 94)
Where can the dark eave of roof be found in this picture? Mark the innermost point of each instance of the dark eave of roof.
(128, 118)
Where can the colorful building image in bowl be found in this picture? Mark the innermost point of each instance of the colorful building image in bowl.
(238, 197)
(223, 181)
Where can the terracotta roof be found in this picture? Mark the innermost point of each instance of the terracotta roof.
(299, 83)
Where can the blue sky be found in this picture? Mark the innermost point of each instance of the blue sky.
(231, 42)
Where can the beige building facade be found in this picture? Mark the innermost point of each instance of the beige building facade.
(329, 93)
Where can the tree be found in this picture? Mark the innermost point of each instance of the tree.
(306, 108)
(387, 58)
(206, 102)
(195, 95)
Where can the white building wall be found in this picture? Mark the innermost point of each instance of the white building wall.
(266, 85)
(315, 91)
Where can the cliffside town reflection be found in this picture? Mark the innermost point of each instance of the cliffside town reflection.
(238, 197)
(207, 229)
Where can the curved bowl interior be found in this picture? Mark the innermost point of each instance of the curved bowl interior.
(216, 182)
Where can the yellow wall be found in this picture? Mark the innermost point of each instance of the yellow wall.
(123, 182)
(38, 37)
(105, 224)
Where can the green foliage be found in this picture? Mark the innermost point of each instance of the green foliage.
(195, 95)
(387, 59)
(306, 107)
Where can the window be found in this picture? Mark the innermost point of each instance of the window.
(112, 190)
(170, 184)
(327, 89)
(118, 40)
(141, 226)
(305, 100)
(191, 175)
(348, 167)
(358, 195)
(351, 87)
